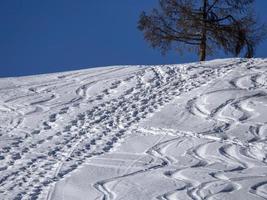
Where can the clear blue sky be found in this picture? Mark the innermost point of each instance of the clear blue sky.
(58, 35)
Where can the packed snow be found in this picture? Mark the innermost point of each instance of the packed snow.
(192, 131)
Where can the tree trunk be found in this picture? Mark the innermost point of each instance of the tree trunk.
(202, 51)
(203, 42)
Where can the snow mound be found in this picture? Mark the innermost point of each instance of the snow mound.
(193, 131)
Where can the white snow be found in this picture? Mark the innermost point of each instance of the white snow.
(193, 131)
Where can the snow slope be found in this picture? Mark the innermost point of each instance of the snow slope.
(194, 131)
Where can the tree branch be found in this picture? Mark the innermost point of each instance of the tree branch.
(214, 3)
(222, 19)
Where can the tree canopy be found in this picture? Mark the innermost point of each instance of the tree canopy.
(203, 26)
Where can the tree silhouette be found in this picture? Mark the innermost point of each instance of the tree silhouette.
(202, 26)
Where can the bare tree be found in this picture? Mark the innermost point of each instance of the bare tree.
(202, 26)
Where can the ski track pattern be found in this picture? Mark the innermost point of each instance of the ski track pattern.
(237, 158)
(94, 122)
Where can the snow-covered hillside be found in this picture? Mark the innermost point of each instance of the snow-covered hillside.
(195, 131)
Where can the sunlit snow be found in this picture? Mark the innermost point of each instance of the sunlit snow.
(192, 131)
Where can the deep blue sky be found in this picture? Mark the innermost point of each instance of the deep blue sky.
(58, 35)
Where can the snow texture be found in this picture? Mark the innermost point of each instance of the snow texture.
(193, 131)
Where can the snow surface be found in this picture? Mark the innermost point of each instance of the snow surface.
(194, 131)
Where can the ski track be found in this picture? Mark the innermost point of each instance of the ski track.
(86, 114)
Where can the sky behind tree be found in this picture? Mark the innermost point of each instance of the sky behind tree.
(50, 36)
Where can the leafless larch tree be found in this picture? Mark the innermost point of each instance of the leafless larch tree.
(203, 26)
